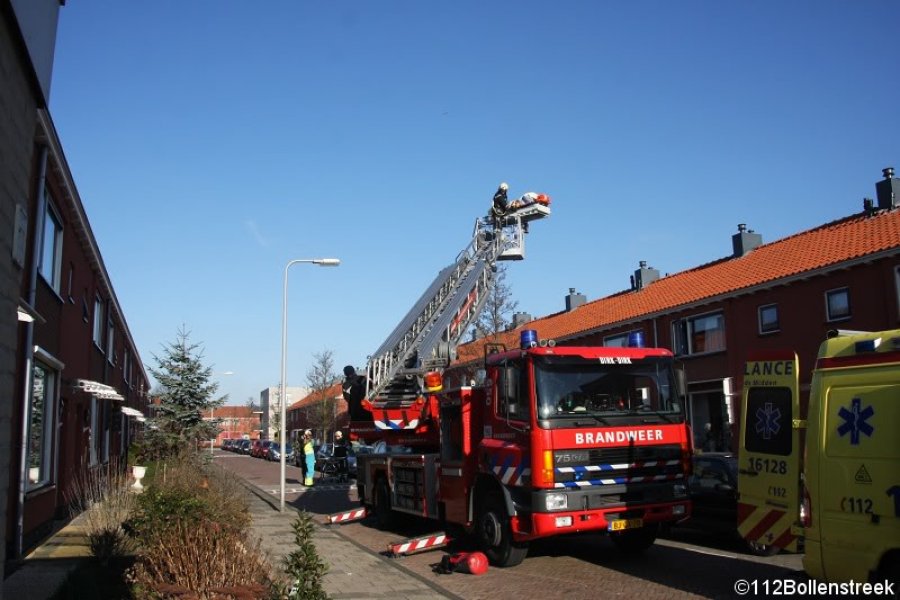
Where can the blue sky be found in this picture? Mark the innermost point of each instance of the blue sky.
(212, 142)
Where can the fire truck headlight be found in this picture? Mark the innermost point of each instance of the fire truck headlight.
(678, 509)
(679, 489)
(557, 502)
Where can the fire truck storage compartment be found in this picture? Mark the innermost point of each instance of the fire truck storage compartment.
(414, 484)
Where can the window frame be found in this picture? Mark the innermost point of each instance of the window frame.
(99, 322)
(619, 336)
(52, 217)
(897, 286)
(111, 343)
(829, 294)
(683, 334)
(52, 369)
(759, 315)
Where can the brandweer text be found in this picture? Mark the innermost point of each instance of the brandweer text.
(613, 437)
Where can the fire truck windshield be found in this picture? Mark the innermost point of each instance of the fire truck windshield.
(576, 387)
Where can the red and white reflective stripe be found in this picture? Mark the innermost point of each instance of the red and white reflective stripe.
(353, 515)
(768, 526)
(418, 544)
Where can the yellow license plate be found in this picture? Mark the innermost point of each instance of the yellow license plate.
(620, 524)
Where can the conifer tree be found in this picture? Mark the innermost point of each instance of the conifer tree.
(186, 396)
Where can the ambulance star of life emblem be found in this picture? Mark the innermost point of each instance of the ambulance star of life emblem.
(768, 421)
(855, 421)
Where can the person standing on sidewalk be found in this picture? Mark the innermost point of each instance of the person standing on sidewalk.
(309, 458)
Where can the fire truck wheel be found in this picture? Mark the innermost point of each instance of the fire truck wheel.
(495, 535)
(384, 516)
(762, 549)
(634, 541)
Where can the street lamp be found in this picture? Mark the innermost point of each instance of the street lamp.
(322, 262)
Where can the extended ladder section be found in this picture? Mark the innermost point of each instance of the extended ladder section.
(427, 337)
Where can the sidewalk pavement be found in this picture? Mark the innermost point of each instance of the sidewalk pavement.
(355, 573)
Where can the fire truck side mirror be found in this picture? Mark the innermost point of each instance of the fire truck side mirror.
(681, 382)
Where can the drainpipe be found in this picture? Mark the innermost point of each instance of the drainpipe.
(29, 349)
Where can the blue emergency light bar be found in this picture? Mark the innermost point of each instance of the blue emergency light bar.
(528, 338)
(636, 339)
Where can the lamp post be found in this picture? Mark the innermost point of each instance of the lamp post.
(322, 262)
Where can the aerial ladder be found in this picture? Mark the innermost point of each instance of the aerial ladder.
(426, 338)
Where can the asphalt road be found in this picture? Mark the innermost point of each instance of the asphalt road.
(689, 562)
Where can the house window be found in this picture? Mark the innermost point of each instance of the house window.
(126, 367)
(619, 340)
(93, 444)
(69, 286)
(111, 344)
(700, 334)
(768, 318)
(98, 322)
(897, 283)
(51, 252)
(40, 424)
(837, 304)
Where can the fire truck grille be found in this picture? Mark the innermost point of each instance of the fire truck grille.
(619, 466)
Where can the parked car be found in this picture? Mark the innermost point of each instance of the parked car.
(275, 452)
(266, 449)
(351, 458)
(714, 494)
(257, 449)
(244, 447)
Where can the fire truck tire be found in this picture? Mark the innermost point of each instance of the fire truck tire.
(635, 541)
(495, 535)
(384, 515)
(761, 549)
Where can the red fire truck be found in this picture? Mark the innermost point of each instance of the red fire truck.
(536, 441)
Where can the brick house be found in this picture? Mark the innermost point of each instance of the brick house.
(72, 385)
(307, 413)
(236, 422)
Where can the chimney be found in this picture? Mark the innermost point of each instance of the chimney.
(745, 240)
(520, 318)
(888, 189)
(644, 276)
(574, 300)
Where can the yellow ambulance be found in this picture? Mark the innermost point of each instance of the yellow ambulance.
(841, 499)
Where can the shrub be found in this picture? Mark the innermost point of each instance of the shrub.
(192, 524)
(200, 559)
(104, 501)
(303, 565)
(182, 490)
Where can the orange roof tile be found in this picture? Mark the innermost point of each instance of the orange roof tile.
(335, 391)
(831, 244)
